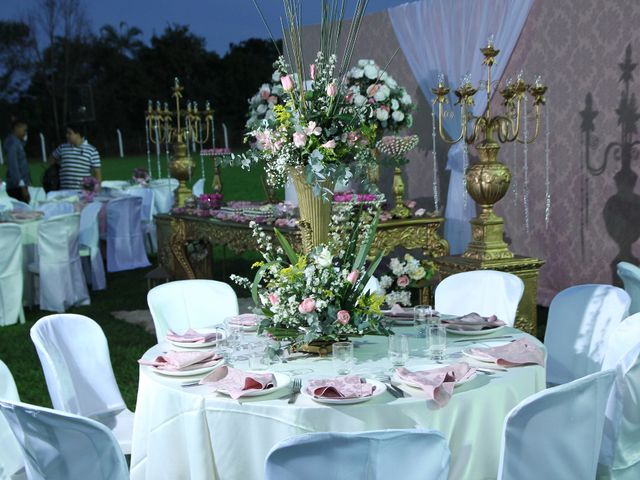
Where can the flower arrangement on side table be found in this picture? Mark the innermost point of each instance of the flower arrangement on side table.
(89, 188)
(261, 111)
(404, 276)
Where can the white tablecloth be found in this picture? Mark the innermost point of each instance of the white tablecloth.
(189, 433)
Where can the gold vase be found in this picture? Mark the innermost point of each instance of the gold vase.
(181, 167)
(315, 211)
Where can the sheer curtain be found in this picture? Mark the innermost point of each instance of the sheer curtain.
(445, 36)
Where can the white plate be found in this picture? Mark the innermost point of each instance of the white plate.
(187, 373)
(203, 344)
(282, 381)
(379, 390)
(411, 384)
(474, 333)
(480, 358)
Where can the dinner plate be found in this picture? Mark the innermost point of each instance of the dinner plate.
(282, 382)
(475, 333)
(379, 390)
(188, 373)
(411, 384)
(202, 344)
(481, 358)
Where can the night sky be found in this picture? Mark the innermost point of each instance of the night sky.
(219, 21)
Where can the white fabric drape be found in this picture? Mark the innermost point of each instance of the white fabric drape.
(445, 36)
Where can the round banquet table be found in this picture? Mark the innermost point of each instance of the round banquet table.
(193, 433)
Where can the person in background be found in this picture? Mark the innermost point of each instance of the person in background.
(77, 159)
(18, 177)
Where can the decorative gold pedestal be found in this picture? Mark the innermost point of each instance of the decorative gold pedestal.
(181, 165)
(526, 268)
(400, 210)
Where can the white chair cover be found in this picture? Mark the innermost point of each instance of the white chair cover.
(147, 213)
(61, 446)
(54, 209)
(486, 292)
(581, 318)
(62, 282)
(11, 274)
(556, 434)
(125, 240)
(379, 455)
(89, 236)
(74, 355)
(190, 303)
(11, 459)
(115, 184)
(620, 452)
(36, 195)
(198, 187)
(20, 206)
(62, 193)
(630, 275)
(164, 193)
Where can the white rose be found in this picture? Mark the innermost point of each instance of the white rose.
(275, 77)
(359, 100)
(357, 73)
(418, 274)
(324, 258)
(382, 94)
(382, 114)
(392, 82)
(384, 76)
(397, 116)
(395, 105)
(261, 108)
(362, 63)
(406, 99)
(371, 72)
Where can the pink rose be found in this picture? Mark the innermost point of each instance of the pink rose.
(343, 317)
(371, 91)
(420, 212)
(353, 276)
(308, 305)
(312, 71)
(349, 97)
(264, 94)
(287, 83)
(272, 99)
(329, 144)
(410, 203)
(274, 299)
(403, 281)
(385, 216)
(299, 139)
(332, 90)
(352, 138)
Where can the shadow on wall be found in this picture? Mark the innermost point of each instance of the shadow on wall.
(621, 212)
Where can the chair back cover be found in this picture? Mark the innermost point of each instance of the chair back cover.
(581, 318)
(147, 195)
(89, 236)
(36, 195)
(11, 273)
(10, 454)
(62, 281)
(190, 303)
(62, 193)
(578, 408)
(74, 355)
(630, 275)
(125, 240)
(486, 292)
(19, 206)
(198, 187)
(58, 445)
(164, 194)
(54, 209)
(378, 455)
(620, 452)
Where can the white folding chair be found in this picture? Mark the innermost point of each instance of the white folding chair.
(403, 454)
(630, 275)
(580, 320)
(163, 194)
(147, 212)
(62, 193)
(11, 274)
(89, 238)
(620, 452)
(54, 209)
(125, 241)
(62, 281)
(562, 425)
(19, 206)
(486, 292)
(190, 304)
(36, 195)
(74, 355)
(11, 458)
(198, 187)
(60, 446)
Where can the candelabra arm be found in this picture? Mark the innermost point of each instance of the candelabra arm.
(204, 140)
(537, 129)
(441, 131)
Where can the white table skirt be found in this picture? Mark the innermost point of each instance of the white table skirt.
(190, 433)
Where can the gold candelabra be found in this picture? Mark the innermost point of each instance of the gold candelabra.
(180, 128)
(487, 181)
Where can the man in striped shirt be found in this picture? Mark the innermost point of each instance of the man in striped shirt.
(77, 159)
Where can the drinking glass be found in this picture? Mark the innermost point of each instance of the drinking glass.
(436, 341)
(421, 315)
(259, 356)
(343, 357)
(234, 341)
(398, 349)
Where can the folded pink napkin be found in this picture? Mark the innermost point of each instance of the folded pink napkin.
(473, 321)
(518, 352)
(236, 382)
(339, 387)
(398, 311)
(183, 361)
(192, 336)
(245, 320)
(438, 383)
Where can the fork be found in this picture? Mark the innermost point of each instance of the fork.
(295, 390)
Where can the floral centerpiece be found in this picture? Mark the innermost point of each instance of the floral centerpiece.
(210, 201)
(318, 296)
(141, 176)
(261, 111)
(404, 276)
(89, 188)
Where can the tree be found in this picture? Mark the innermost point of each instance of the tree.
(124, 41)
(14, 58)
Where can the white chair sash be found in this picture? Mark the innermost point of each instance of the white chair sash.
(89, 236)
(125, 240)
